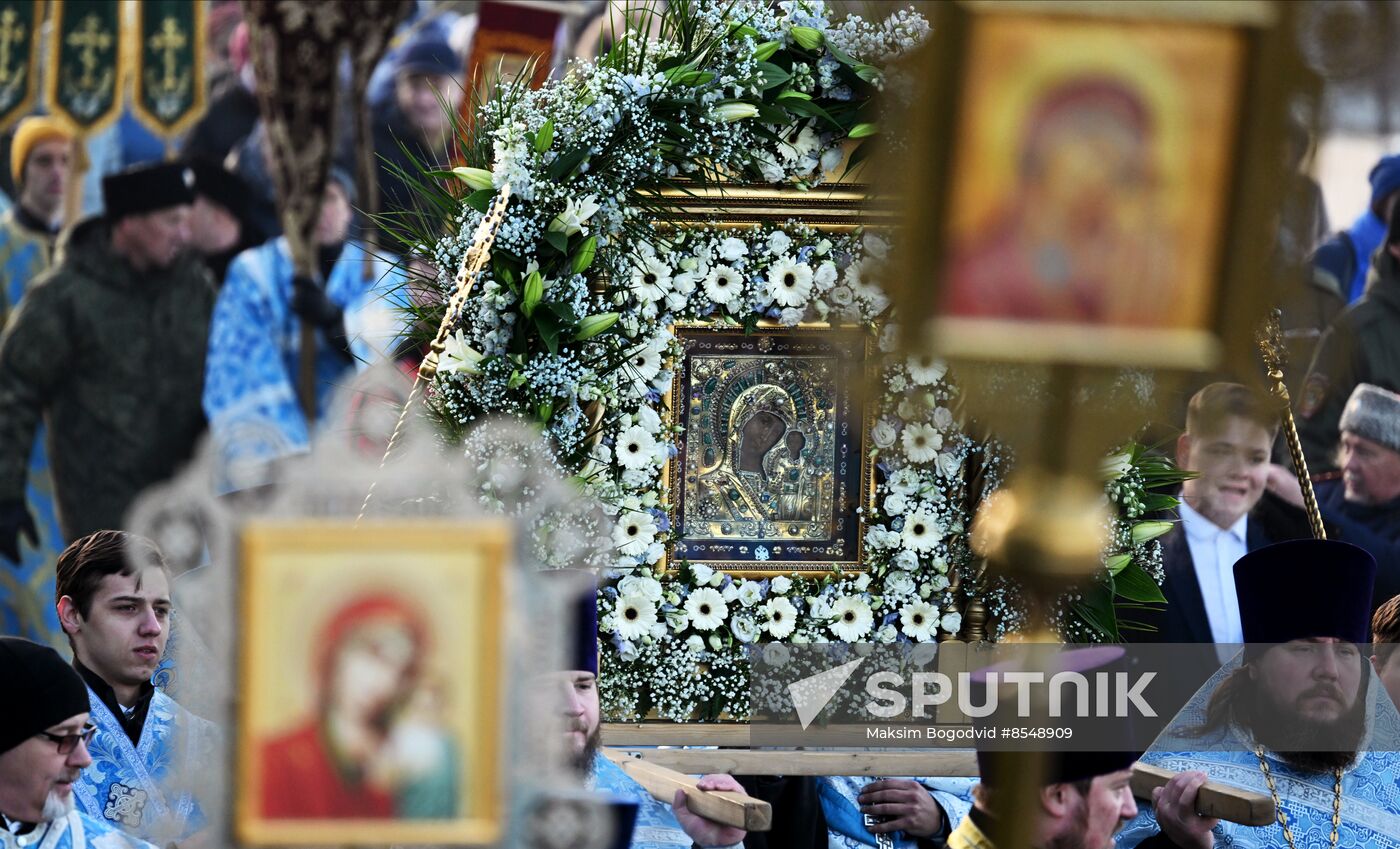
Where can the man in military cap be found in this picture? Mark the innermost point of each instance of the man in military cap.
(44, 732)
(108, 349)
(1290, 717)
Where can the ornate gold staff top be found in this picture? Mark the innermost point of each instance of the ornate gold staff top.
(1271, 346)
(473, 262)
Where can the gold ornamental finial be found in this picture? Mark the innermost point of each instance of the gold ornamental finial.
(1271, 347)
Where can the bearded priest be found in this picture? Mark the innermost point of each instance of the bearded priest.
(1299, 715)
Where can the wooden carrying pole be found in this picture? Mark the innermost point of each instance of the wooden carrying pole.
(1230, 803)
(721, 806)
(1213, 799)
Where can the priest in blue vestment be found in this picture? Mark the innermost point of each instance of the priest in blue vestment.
(1299, 715)
(114, 603)
(657, 824)
(253, 371)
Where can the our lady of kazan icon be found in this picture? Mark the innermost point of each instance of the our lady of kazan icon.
(766, 481)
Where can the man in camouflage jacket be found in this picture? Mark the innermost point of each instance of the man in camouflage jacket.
(108, 348)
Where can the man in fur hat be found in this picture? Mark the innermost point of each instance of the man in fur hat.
(107, 349)
(1363, 506)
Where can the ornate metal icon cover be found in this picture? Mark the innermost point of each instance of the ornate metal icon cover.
(771, 466)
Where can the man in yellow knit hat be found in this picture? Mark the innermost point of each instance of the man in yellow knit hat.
(41, 166)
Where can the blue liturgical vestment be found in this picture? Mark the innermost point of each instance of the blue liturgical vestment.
(657, 825)
(846, 827)
(75, 831)
(26, 593)
(251, 374)
(1370, 812)
(144, 789)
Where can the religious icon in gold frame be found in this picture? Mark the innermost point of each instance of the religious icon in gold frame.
(369, 669)
(1082, 193)
(772, 465)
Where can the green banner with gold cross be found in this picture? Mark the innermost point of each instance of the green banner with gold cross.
(84, 84)
(169, 70)
(19, 58)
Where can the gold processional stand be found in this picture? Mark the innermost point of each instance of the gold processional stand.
(1028, 381)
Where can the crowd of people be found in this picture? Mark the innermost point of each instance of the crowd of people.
(175, 310)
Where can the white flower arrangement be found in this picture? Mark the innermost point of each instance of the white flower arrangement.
(573, 315)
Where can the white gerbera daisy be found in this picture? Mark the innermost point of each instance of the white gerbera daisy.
(921, 442)
(636, 448)
(926, 369)
(780, 617)
(922, 532)
(651, 279)
(633, 533)
(723, 284)
(706, 608)
(634, 616)
(852, 618)
(789, 282)
(919, 620)
(642, 366)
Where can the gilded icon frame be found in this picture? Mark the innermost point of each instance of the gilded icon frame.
(286, 566)
(1232, 267)
(851, 490)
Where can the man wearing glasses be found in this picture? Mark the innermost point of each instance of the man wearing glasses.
(43, 749)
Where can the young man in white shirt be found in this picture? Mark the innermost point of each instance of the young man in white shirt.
(1229, 437)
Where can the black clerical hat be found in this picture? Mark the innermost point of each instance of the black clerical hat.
(581, 651)
(147, 188)
(1305, 588)
(42, 691)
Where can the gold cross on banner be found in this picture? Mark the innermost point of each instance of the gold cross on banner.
(89, 40)
(11, 33)
(170, 40)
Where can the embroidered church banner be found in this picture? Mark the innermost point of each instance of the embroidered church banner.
(86, 50)
(19, 58)
(170, 87)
